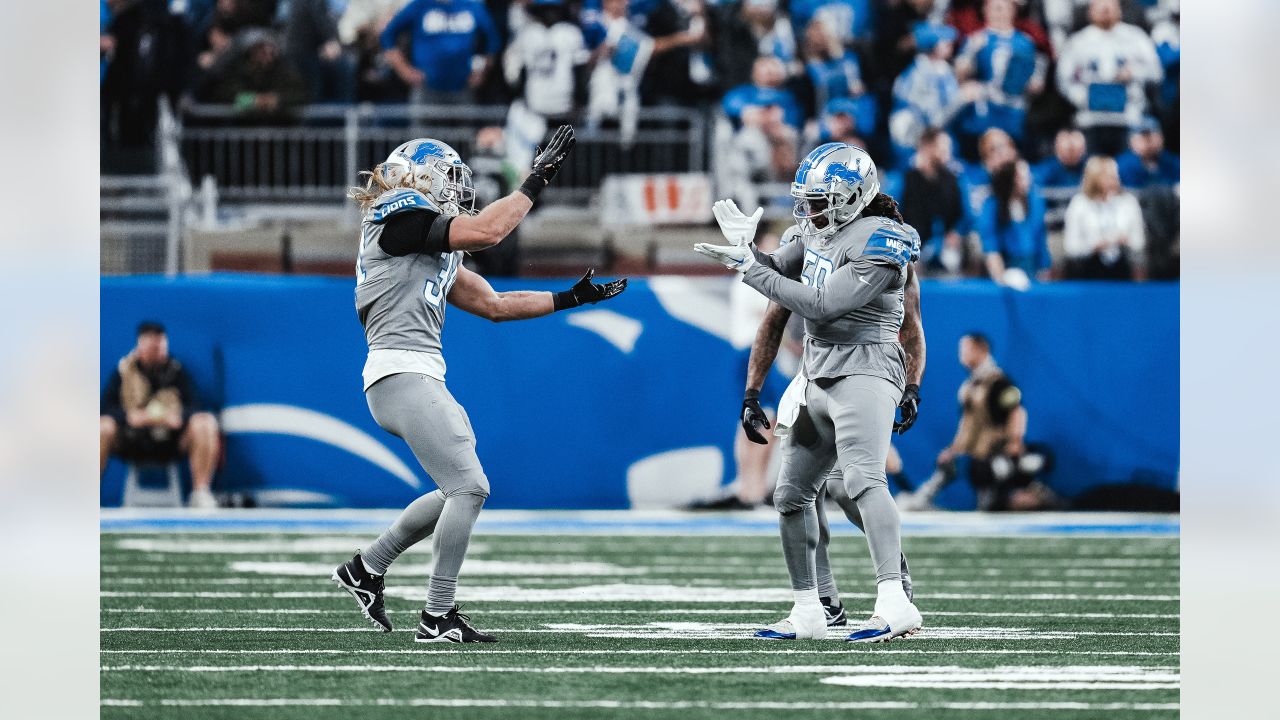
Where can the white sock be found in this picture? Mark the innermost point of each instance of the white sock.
(369, 569)
(807, 597)
(890, 592)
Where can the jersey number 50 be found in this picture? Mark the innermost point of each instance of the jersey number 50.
(816, 269)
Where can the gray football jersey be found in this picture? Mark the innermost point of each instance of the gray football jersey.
(401, 300)
(863, 341)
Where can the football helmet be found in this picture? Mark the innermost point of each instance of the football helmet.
(833, 185)
(435, 170)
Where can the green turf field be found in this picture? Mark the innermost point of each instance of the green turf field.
(240, 625)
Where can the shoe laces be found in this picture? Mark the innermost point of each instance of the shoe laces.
(462, 617)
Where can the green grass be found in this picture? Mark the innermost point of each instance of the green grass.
(1071, 627)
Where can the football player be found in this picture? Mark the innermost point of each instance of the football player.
(845, 272)
(419, 219)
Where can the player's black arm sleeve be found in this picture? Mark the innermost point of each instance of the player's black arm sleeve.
(111, 399)
(847, 289)
(420, 231)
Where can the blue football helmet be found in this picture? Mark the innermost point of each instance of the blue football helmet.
(833, 184)
(435, 170)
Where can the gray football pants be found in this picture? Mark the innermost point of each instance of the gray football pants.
(847, 422)
(421, 410)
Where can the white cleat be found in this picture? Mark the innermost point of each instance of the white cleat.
(886, 625)
(804, 623)
(202, 500)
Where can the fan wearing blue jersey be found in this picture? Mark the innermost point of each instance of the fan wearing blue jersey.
(419, 219)
(846, 274)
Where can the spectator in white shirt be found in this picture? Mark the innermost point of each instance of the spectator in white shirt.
(1105, 238)
(1103, 71)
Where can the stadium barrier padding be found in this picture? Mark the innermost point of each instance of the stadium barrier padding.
(567, 408)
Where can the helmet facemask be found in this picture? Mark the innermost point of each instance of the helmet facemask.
(447, 184)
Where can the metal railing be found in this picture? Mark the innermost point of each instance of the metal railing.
(321, 153)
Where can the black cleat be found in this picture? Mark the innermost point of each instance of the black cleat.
(366, 588)
(452, 627)
(834, 611)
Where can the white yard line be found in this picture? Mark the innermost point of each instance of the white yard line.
(308, 581)
(635, 704)
(503, 593)
(660, 651)
(675, 632)
(662, 611)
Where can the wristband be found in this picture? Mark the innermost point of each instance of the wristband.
(564, 300)
(752, 394)
(532, 186)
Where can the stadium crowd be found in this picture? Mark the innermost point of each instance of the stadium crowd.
(1027, 139)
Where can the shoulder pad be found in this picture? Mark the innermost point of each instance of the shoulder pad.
(892, 242)
(398, 201)
(914, 235)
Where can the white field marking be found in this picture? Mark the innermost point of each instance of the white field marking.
(267, 545)
(657, 651)
(515, 569)
(1107, 677)
(624, 592)
(634, 704)
(474, 567)
(219, 569)
(678, 631)
(661, 611)
(1013, 678)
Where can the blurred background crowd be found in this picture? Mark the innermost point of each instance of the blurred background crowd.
(1027, 140)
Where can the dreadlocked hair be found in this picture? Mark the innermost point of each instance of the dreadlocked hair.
(883, 205)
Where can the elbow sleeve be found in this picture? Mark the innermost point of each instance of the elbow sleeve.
(422, 231)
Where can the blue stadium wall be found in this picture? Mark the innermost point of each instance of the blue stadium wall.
(568, 407)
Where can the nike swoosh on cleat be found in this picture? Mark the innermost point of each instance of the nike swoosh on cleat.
(431, 631)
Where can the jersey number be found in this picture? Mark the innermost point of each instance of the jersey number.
(816, 269)
(435, 289)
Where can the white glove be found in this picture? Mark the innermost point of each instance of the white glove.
(738, 229)
(734, 257)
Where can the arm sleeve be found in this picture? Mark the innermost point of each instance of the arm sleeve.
(847, 289)
(787, 260)
(397, 25)
(111, 399)
(492, 43)
(423, 231)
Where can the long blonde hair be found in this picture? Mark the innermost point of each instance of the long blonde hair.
(376, 184)
(1094, 169)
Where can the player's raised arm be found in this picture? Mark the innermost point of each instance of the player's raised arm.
(474, 294)
(911, 336)
(495, 222)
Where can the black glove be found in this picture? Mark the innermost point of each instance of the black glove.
(753, 418)
(586, 292)
(546, 163)
(909, 406)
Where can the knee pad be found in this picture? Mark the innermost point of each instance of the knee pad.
(788, 498)
(859, 478)
(472, 484)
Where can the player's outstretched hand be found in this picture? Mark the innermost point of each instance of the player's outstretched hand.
(738, 228)
(909, 407)
(585, 292)
(734, 257)
(753, 418)
(546, 163)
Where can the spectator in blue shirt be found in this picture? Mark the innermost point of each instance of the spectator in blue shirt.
(927, 94)
(1059, 176)
(766, 120)
(831, 72)
(1147, 163)
(850, 19)
(1012, 228)
(995, 148)
(1003, 69)
(443, 64)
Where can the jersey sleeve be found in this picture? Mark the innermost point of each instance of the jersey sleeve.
(891, 246)
(788, 259)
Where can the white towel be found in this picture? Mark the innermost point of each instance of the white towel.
(789, 405)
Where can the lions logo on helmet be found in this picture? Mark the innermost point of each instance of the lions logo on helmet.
(833, 185)
(435, 170)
